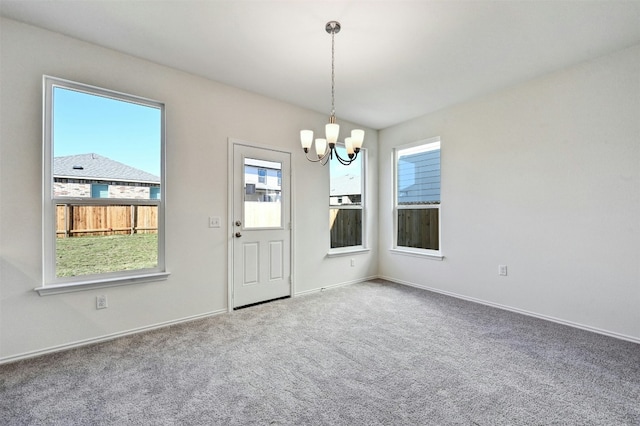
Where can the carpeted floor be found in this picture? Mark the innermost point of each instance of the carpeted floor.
(365, 354)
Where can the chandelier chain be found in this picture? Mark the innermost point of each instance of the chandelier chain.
(333, 74)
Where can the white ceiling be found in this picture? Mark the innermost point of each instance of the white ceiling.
(395, 60)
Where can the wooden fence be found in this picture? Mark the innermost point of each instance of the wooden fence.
(346, 227)
(81, 220)
(259, 214)
(418, 228)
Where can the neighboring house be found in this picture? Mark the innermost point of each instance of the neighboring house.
(345, 189)
(263, 180)
(419, 178)
(95, 176)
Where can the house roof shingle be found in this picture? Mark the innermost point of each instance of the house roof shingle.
(94, 166)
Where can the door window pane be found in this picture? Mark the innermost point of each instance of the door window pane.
(262, 194)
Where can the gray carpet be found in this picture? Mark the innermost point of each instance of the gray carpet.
(365, 354)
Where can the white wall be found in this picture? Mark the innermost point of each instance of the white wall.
(545, 178)
(201, 116)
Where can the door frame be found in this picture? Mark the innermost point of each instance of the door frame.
(231, 142)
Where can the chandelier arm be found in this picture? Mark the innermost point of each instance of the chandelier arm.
(315, 160)
(345, 161)
(326, 155)
(342, 160)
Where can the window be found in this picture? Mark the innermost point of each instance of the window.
(99, 190)
(262, 175)
(346, 202)
(262, 199)
(103, 187)
(154, 192)
(417, 197)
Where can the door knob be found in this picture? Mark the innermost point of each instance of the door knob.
(238, 235)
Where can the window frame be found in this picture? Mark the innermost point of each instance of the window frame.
(52, 284)
(339, 251)
(428, 253)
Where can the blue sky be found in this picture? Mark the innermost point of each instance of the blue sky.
(122, 131)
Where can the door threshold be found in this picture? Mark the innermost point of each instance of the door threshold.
(260, 303)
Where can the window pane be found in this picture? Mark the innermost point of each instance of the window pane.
(154, 192)
(345, 189)
(345, 181)
(418, 172)
(262, 175)
(99, 191)
(104, 147)
(419, 228)
(106, 238)
(262, 194)
(418, 196)
(346, 227)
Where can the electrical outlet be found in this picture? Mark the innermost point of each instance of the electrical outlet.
(502, 270)
(353, 262)
(101, 302)
(214, 222)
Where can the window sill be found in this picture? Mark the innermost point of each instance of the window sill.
(346, 251)
(46, 290)
(415, 253)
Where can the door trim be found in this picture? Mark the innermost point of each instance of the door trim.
(231, 142)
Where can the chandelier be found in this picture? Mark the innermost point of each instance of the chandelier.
(326, 147)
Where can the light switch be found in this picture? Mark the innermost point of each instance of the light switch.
(214, 222)
(502, 270)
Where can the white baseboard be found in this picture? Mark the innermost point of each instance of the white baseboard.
(106, 337)
(342, 284)
(517, 310)
(112, 336)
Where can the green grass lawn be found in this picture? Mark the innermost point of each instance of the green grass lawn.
(94, 255)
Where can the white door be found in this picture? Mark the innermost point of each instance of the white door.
(261, 235)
